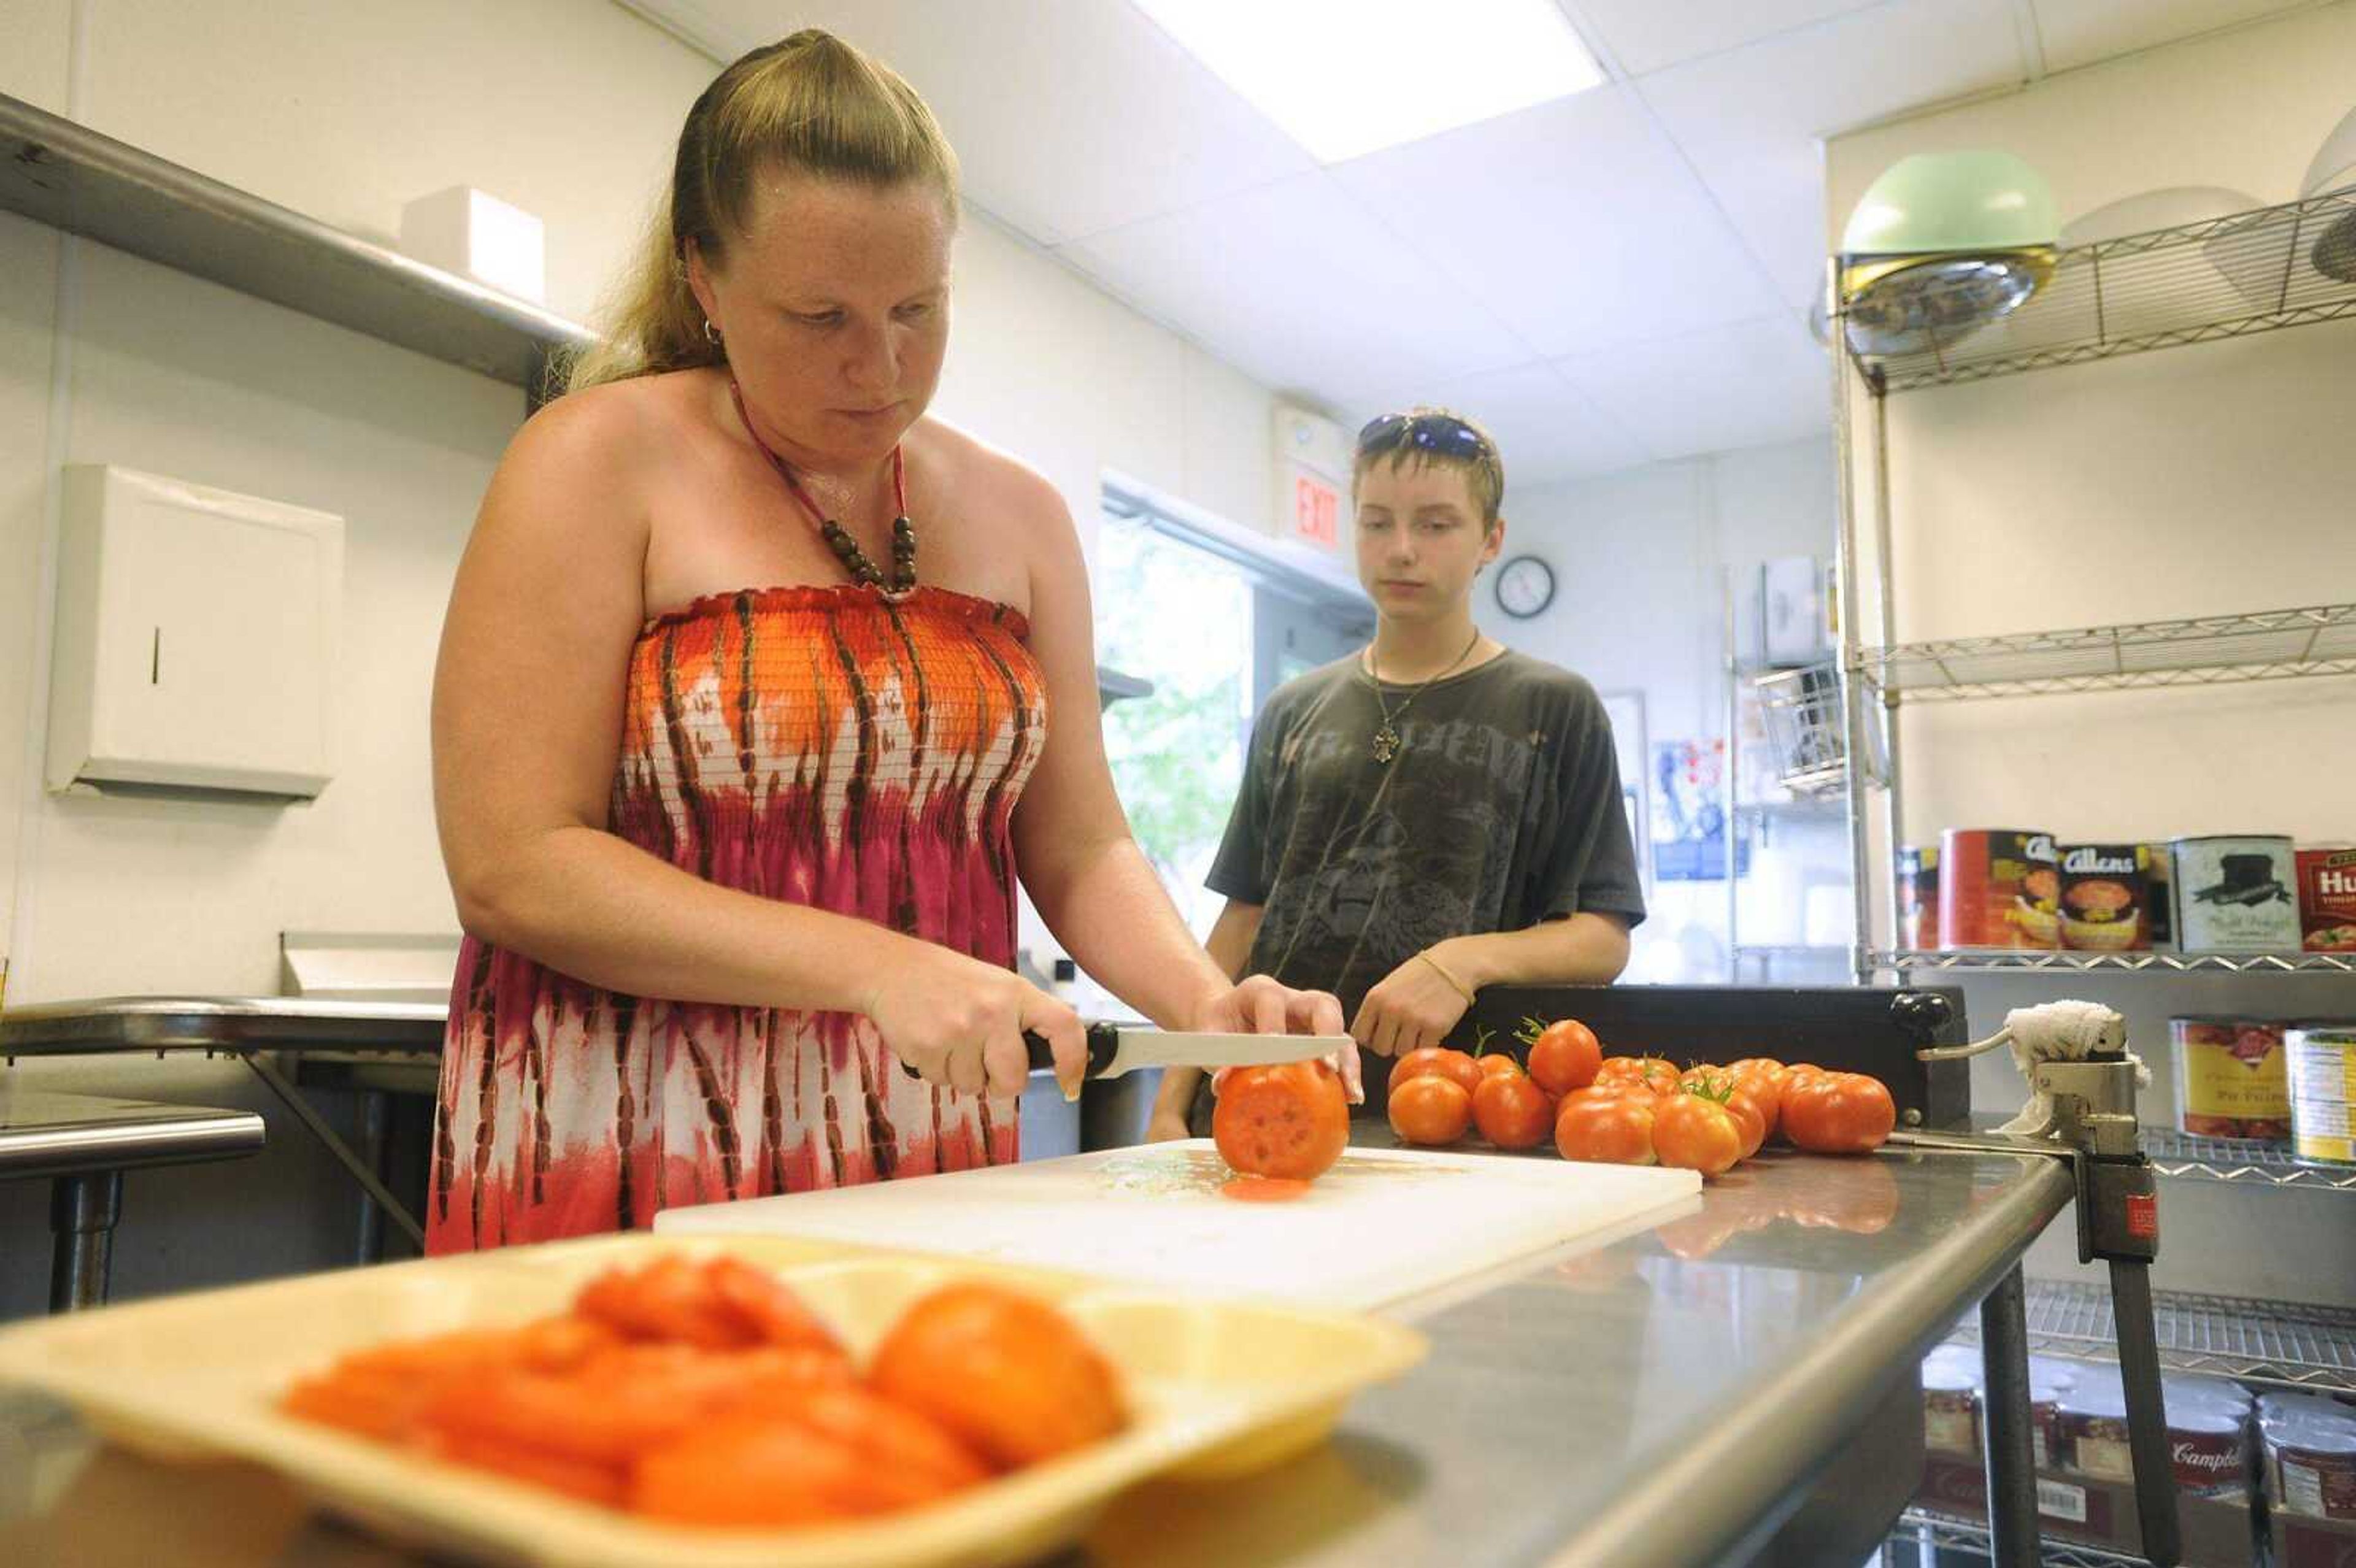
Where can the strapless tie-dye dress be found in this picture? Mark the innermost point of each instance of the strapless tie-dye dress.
(827, 746)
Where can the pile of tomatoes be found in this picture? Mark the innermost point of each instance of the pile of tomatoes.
(706, 1393)
(1632, 1110)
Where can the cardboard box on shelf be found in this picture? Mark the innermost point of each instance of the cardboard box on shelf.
(2302, 1542)
(2217, 1532)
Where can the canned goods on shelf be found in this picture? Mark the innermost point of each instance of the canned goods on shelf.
(2236, 894)
(1998, 887)
(2106, 897)
(2327, 898)
(2230, 1078)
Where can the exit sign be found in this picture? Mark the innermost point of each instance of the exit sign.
(1316, 512)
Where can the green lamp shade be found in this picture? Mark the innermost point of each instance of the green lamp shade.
(1954, 203)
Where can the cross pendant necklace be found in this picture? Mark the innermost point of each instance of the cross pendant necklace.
(1387, 740)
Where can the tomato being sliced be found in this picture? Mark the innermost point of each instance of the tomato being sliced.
(1429, 1110)
(1564, 1056)
(1512, 1113)
(1291, 1120)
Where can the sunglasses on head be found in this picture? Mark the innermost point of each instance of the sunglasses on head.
(1442, 434)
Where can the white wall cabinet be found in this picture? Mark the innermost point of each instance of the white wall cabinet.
(196, 639)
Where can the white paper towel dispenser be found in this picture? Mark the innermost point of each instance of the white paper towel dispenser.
(196, 639)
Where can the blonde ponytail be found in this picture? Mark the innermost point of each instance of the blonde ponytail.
(810, 105)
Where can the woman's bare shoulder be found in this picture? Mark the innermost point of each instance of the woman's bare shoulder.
(998, 482)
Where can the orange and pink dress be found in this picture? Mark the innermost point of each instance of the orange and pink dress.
(833, 747)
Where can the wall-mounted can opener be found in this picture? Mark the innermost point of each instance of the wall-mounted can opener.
(2082, 1108)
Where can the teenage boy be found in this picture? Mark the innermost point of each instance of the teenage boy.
(1436, 813)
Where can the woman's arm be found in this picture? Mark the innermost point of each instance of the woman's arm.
(1229, 945)
(1091, 881)
(528, 705)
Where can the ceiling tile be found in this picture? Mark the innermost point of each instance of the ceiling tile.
(1300, 287)
(1645, 34)
(1108, 123)
(2080, 32)
(1576, 223)
(1546, 429)
(1760, 382)
(1750, 119)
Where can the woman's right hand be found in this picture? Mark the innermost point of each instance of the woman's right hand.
(959, 1022)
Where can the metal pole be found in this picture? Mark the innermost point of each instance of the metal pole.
(376, 1108)
(83, 1211)
(1845, 570)
(1893, 804)
(2148, 1443)
(293, 1098)
(2012, 1457)
(1730, 789)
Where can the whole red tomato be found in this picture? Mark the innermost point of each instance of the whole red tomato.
(1649, 1072)
(1512, 1111)
(1429, 1110)
(1451, 1064)
(1607, 1127)
(1693, 1134)
(1564, 1056)
(1497, 1064)
(1291, 1120)
(1840, 1113)
(1745, 1111)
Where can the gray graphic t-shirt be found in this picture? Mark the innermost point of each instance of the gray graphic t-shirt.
(1502, 809)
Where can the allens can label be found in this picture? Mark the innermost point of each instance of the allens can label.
(1998, 887)
(2106, 897)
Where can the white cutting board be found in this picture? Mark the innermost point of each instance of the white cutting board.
(1382, 1226)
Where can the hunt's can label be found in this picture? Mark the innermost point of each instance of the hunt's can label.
(2106, 897)
(1998, 887)
(2236, 895)
(2326, 899)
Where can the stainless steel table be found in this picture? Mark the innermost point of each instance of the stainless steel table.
(374, 1047)
(1736, 1385)
(81, 1144)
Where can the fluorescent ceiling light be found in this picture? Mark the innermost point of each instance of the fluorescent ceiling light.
(1344, 78)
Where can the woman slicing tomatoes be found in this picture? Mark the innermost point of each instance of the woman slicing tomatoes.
(741, 726)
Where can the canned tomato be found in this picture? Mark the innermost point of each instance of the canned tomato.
(2232, 1077)
(2105, 889)
(1998, 888)
(2327, 898)
(1917, 896)
(2236, 894)
(2311, 1455)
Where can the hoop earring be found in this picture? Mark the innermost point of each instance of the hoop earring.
(710, 333)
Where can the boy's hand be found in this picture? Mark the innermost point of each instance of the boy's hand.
(1413, 1007)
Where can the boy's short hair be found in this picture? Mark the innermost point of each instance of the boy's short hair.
(1440, 437)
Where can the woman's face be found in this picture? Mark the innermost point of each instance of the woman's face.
(834, 306)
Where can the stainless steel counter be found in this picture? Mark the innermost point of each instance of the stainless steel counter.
(232, 1025)
(1672, 1398)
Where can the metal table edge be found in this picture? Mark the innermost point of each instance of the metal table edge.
(107, 1024)
(1713, 1494)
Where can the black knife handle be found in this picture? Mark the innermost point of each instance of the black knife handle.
(1104, 1044)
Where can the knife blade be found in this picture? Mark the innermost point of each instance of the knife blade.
(1116, 1049)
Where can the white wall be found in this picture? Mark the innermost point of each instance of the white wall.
(1640, 559)
(2182, 482)
(569, 108)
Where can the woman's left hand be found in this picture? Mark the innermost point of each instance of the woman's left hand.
(1261, 1006)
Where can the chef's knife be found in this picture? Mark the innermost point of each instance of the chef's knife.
(1116, 1049)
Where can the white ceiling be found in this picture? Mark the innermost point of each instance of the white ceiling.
(1610, 280)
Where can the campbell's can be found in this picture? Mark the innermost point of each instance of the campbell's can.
(2106, 897)
(1998, 887)
(2236, 894)
(2327, 898)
